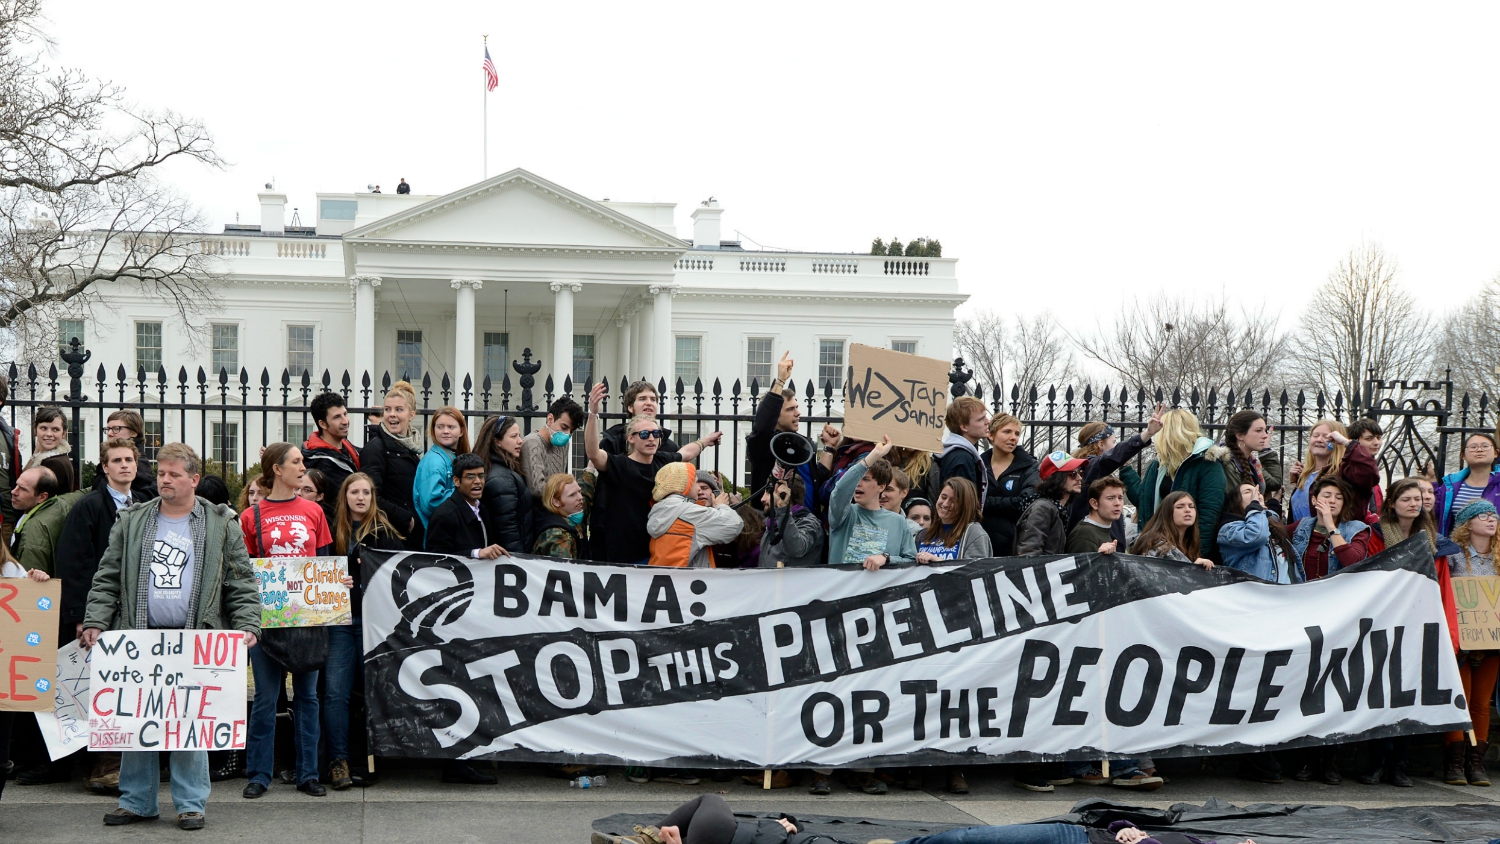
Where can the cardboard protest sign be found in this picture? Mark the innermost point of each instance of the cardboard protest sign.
(303, 591)
(898, 394)
(1478, 600)
(66, 727)
(167, 690)
(28, 643)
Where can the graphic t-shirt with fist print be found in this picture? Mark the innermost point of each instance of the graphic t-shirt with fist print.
(172, 570)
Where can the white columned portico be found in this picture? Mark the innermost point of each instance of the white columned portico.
(661, 331)
(562, 330)
(363, 290)
(622, 330)
(463, 332)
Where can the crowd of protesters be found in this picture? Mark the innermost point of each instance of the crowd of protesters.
(640, 499)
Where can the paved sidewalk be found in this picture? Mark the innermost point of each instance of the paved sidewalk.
(413, 807)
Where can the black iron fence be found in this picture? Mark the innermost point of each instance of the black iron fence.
(228, 418)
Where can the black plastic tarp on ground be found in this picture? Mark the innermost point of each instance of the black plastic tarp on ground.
(1215, 820)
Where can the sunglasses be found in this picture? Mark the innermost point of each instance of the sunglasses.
(649, 435)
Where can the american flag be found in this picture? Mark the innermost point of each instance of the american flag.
(491, 78)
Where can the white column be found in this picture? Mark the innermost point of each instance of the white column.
(662, 343)
(622, 363)
(562, 331)
(539, 345)
(645, 347)
(362, 288)
(463, 334)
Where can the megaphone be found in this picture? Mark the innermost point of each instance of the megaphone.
(791, 449)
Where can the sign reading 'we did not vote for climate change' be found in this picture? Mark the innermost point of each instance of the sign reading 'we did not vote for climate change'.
(167, 690)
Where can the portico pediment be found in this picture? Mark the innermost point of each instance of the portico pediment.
(516, 209)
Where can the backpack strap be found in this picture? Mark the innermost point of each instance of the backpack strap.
(260, 539)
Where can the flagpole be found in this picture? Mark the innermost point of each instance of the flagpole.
(484, 92)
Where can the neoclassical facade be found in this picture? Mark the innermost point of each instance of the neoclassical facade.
(462, 283)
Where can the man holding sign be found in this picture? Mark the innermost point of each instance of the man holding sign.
(175, 563)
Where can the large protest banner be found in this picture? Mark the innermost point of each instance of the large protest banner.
(28, 643)
(992, 660)
(66, 728)
(167, 690)
(303, 591)
(1478, 603)
(896, 394)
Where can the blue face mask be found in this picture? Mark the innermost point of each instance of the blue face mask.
(574, 519)
(559, 439)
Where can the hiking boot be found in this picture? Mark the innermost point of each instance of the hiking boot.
(1453, 764)
(956, 782)
(1258, 768)
(120, 817)
(338, 775)
(646, 835)
(190, 820)
(105, 778)
(1474, 765)
(872, 784)
(820, 786)
(1398, 776)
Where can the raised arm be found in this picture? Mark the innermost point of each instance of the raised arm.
(596, 455)
(691, 450)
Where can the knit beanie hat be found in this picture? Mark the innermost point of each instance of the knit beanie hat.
(707, 477)
(1479, 507)
(673, 478)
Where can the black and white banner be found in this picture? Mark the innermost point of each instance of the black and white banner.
(995, 660)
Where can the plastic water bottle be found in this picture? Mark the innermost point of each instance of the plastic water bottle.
(588, 782)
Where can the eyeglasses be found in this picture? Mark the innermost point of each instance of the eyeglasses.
(649, 435)
(117, 429)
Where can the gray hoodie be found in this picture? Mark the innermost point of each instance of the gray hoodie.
(801, 540)
(711, 525)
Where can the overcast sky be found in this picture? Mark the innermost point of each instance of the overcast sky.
(1069, 154)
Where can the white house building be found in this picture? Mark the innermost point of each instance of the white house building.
(461, 283)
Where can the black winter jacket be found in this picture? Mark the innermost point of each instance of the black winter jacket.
(380, 540)
(1099, 466)
(393, 468)
(454, 530)
(84, 539)
(506, 505)
(144, 483)
(1005, 497)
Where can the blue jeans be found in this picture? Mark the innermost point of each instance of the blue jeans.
(1018, 833)
(260, 746)
(140, 780)
(340, 675)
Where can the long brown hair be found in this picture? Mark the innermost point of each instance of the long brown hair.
(1423, 521)
(966, 498)
(489, 435)
(1161, 532)
(1234, 511)
(343, 521)
(460, 447)
(1086, 433)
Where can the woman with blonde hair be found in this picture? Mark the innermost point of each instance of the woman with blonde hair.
(390, 457)
(1010, 473)
(1331, 453)
(1104, 454)
(1186, 461)
(449, 433)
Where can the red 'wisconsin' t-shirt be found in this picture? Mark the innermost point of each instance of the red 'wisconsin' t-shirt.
(292, 528)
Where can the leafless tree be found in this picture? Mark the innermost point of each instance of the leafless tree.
(1468, 344)
(81, 204)
(1180, 343)
(1362, 319)
(1027, 352)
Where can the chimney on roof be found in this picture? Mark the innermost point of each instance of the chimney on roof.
(272, 212)
(706, 224)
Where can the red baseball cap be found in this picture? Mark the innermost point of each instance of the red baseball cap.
(1059, 461)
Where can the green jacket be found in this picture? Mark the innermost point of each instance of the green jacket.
(35, 544)
(1201, 475)
(226, 596)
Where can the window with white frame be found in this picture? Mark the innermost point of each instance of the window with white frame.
(760, 365)
(148, 346)
(831, 363)
(907, 346)
(408, 355)
(67, 329)
(688, 360)
(296, 431)
(226, 348)
(299, 349)
(152, 440)
(496, 355)
(225, 448)
(583, 359)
